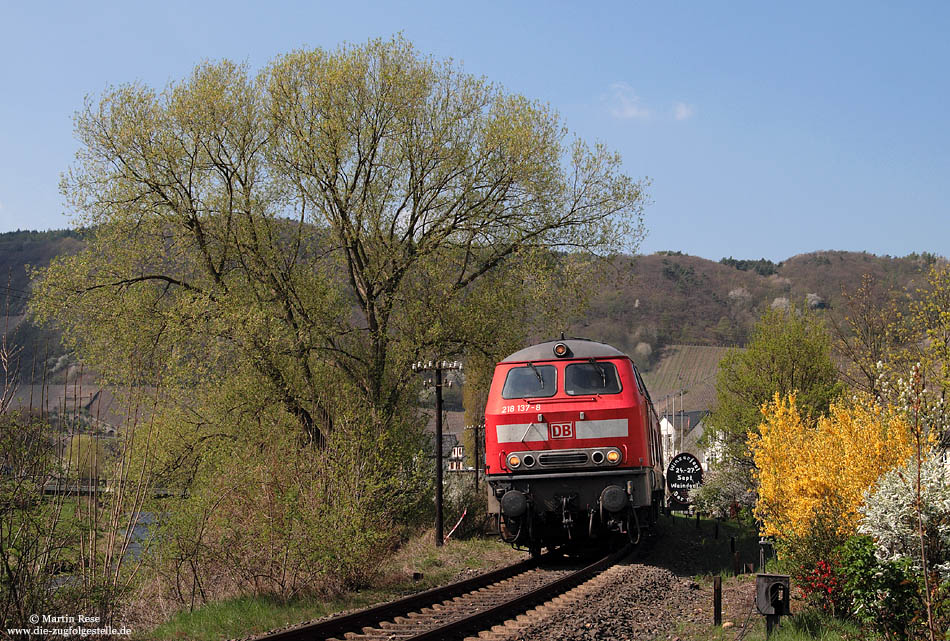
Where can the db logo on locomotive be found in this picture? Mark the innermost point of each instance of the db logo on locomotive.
(562, 430)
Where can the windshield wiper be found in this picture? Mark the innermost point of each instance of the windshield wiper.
(603, 373)
(537, 373)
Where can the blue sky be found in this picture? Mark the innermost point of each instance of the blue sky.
(767, 129)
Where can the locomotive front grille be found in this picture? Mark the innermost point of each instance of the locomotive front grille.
(587, 458)
(562, 458)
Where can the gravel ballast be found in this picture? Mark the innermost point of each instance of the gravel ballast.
(655, 596)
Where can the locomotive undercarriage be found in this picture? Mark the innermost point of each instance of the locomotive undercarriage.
(548, 510)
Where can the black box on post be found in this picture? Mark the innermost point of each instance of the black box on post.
(772, 594)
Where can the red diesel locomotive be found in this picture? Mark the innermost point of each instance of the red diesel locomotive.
(572, 445)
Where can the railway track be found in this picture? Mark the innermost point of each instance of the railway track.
(459, 609)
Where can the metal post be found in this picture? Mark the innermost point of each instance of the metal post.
(682, 419)
(438, 456)
(673, 423)
(682, 427)
(765, 553)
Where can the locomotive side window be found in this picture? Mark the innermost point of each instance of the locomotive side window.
(591, 378)
(530, 381)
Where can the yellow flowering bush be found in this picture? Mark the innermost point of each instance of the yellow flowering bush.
(813, 475)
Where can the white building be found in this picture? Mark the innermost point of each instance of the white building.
(681, 433)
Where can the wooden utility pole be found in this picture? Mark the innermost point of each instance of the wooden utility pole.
(438, 457)
(475, 443)
(437, 367)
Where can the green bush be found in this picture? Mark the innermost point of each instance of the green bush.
(804, 553)
(884, 594)
(271, 517)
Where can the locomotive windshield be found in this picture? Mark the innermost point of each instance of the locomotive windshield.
(530, 381)
(591, 378)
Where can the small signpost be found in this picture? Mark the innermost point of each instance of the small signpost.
(683, 474)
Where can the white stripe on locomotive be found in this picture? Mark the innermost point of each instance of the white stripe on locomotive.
(522, 432)
(608, 428)
(533, 432)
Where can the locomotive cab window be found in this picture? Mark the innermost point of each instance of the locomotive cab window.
(530, 381)
(591, 378)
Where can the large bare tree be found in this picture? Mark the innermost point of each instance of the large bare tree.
(324, 223)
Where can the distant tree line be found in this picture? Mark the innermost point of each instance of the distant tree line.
(31, 235)
(763, 267)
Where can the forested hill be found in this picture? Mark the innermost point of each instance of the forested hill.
(653, 301)
(669, 298)
(20, 249)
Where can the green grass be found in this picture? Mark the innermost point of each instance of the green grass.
(814, 625)
(249, 615)
(810, 625)
(246, 615)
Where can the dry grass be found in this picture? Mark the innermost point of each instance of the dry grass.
(417, 565)
(456, 560)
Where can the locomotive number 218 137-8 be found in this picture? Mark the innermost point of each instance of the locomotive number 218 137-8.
(511, 409)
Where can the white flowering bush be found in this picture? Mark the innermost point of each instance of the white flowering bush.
(726, 487)
(889, 514)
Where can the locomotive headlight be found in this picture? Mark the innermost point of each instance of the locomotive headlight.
(514, 461)
(560, 350)
(613, 456)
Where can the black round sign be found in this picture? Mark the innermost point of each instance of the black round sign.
(683, 474)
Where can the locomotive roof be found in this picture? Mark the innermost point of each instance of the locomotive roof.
(580, 348)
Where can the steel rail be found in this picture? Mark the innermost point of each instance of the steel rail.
(372, 616)
(487, 618)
